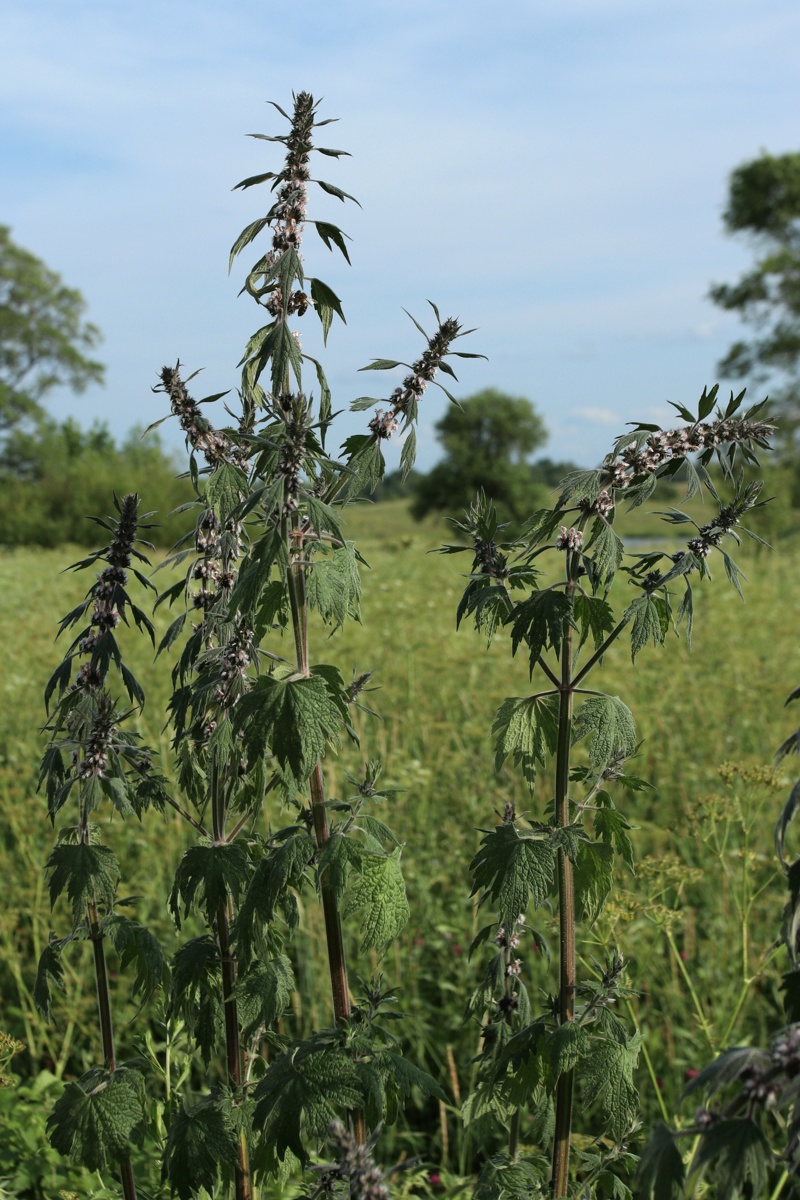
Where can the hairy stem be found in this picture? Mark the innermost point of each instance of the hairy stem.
(566, 911)
(337, 961)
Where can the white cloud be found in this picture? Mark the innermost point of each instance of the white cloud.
(597, 416)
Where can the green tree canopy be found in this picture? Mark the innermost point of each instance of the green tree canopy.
(43, 336)
(764, 203)
(487, 444)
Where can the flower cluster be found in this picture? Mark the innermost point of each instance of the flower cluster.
(489, 560)
(356, 1165)
(94, 762)
(235, 658)
(289, 212)
(619, 471)
(213, 444)
(404, 399)
(108, 594)
(569, 539)
(296, 411)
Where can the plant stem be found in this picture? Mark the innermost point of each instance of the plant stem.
(566, 916)
(337, 961)
(233, 1041)
(513, 1135)
(701, 1016)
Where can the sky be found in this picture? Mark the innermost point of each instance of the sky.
(552, 172)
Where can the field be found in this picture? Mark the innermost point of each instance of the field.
(696, 922)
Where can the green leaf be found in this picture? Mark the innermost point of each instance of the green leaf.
(326, 302)
(304, 1089)
(565, 1047)
(661, 1173)
(741, 1157)
(500, 1179)
(89, 873)
(226, 487)
(407, 1076)
(296, 719)
(610, 723)
(208, 875)
(607, 1076)
(136, 946)
(195, 991)
(365, 463)
(606, 553)
(527, 729)
(337, 855)
(541, 622)
(49, 972)
(650, 622)
(380, 891)
(593, 875)
(199, 1140)
(246, 237)
(512, 868)
(408, 454)
(330, 234)
(333, 585)
(611, 827)
(593, 616)
(98, 1119)
(280, 873)
(263, 993)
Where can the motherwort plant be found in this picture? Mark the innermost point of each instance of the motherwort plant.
(566, 622)
(253, 715)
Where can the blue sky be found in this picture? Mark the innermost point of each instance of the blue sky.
(552, 172)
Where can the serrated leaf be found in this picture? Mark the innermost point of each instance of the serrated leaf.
(87, 872)
(565, 1047)
(407, 1076)
(326, 302)
(226, 487)
(50, 973)
(281, 872)
(661, 1173)
(593, 616)
(607, 1076)
(610, 723)
(527, 729)
(741, 1156)
(199, 1140)
(605, 550)
(650, 622)
(541, 622)
(98, 1119)
(333, 585)
(296, 719)
(511, 869)
(337, 855)
(379, 891)
(263, 993)
(195, 992)
(136, 946)
(208, 875)
(611, 827)
(365, 464)
(304, 1090)
(408, 454)
(594, 869)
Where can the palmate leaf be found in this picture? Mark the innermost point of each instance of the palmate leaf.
(540, 622)
(564, 1047)
(333, 585)
(650, 622)
(365, 463)
(280, 873)
(137, 947)
(200, 1139)
(99, 1118)
(195, 991)
(380, 891)
(594, 617)
(607, 1076)
(511, 868)
(87, 872)
(594, 869)
(661, 1172)
(527, 729)
(295, 718)
(208, 875)
(303, 1089)
(610, 723)
(263, 993)
(741, 1156)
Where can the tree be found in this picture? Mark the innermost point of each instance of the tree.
(487, 444)
(764, 203)
(43, 336)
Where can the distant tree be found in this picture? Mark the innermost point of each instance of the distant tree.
(764, 203)
(43, 337)
(487, 444)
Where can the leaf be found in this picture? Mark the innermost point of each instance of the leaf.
(408, 454)
(661, 1173)
(611, 827)
(593, 616)
(330, 234)
(333, 585)
(365, 464)
(541, 622)
(263, 993)
(136, 946)
(607, 1076)
(199, 1140)
(246, 237)
(98, 1119)
(408, 1076)
(607, 551)
(500, 1179)
(650, 622)
(296, 719)
(593, 875)
(308, 1089)
(337, 855)
(527, 729)
(380, 891)
(326, 302)
(89, 873)
(741, 1157)
(565, 1047)
(49, 972)
(610, 723)
(208, 875)
(281, 872)
(226, 487)
(195, 991)
(511, 869)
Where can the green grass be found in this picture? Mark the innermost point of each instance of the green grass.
(703, 839)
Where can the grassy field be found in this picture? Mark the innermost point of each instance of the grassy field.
(696, 921)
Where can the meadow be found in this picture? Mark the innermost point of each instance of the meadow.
(697, 921)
